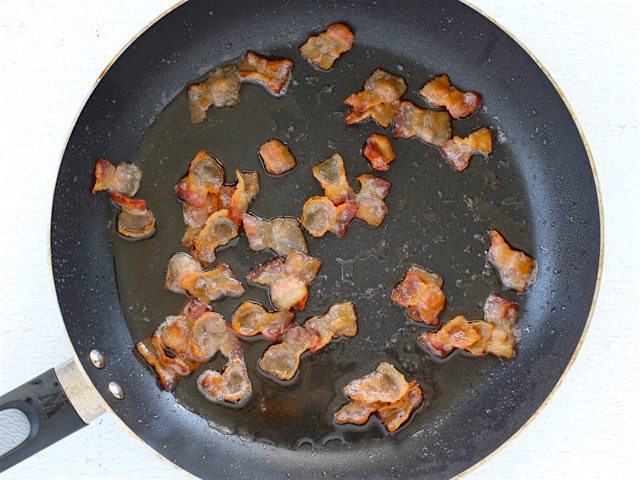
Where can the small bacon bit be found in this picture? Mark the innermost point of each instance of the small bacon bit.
(273, 75)
(123, 179)
(324, 49)
(280, 234)
(232, 385)
(340, 321)
(333, 178)
(370, 199)
(420, 292)
(386, 385)
(206, 175)
(379, 152)
(219, 230)
(458, 151)
(503, 314)
(246, 190)
(440, 93)
(429, 126)
(320, 215)
(135, 220)
(212, 284)
(221, 89)
(251, 319)
(516, 269)
(458, 333)
(397, 413)
(378, 99)
(276, 157)
(168, 373)
(288, 279)
(357, 413)
(180, 266)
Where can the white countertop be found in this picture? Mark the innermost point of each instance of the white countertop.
(52, 52)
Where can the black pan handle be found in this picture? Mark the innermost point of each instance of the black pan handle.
(37, 414)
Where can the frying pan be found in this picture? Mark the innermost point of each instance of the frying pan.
(538, 189)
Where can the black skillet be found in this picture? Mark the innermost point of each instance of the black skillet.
(537, 188)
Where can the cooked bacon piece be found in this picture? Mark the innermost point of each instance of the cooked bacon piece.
(180, 266)
(378, 99)
(420, 292)
(221, 89)
(206, 175)
(333, 178)
(273, 75)
(395, 414)
(357, 413)
(123, 178)
(386, 384)
(232, 385)
(503, 315)
(213, 284)
(458, 151)
(251, 319)
(320, 215)
(194, 309)
(516, 269)
(283, 359)
(458, 333)
(428, 125)
(324, 49)
(276, 157)
(244, 193)
(370, 199)
(280, 234)
(287, 280)
(195, 217)
(169, 373)
(379, 152)
(135, 220)
(440, 93)
(217, 231)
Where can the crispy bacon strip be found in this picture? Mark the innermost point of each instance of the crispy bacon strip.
(283, 359)
(386, 384)
(218, 231)
(428, 125)
(221, 89)
(320, 215)
(458, 151)
(245, 192)
(440, 93)
(378, 99)
(280, 234)
(370, 199)
(123, 179)
(458, 333)
(273, 75)
(420, 292)
(517, 270)
(288, 279)
(357, 413)
(379, 152)
(135, 220)
(324, 49)
(276, 157)
(206, 176)
(251, 319)
(333, 178)
(395, 414)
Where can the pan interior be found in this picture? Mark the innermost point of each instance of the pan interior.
(437, 219)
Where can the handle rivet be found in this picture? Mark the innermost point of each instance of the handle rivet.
(116, 390)
(97, 358)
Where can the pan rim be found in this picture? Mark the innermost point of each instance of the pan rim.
(597, 285)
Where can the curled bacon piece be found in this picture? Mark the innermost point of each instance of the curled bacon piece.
(206, 176)
(440, 93)
(232, 385)
(379, 152)
(169, 370)
(384, 392)
(370, 199)
(287, 280)
(280, 234)
(276, 157)
(324, 49)
(251, 319)
(420, 292)
(218, 230)
(123, 178)
(428, 125)
(195, 217)
(378, 99)
(283, 359)
(273, 75)
(180, 266)
(135, 220)
(333, 178)
(320, 215)
(221, 89)
(457, 333)
(458, 151)
(246, 190)
(516, 269)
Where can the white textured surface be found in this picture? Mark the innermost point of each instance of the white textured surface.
(52, 51)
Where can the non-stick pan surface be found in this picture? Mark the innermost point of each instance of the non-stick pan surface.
(537, 188)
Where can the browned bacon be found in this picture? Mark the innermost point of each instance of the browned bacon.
(280, 234)
(440, 93)
(123, 179)
(333, 178)
(252, 319)
(428, 125)
(218, 231)
(370, 199)
(273, 75)
(379, 152)
(378, 99)
(420, 292)
(135, 220)
(276, 157)
(458, 151)
(220, 89)
(516, 269)
(320, 215)
(324, 49)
